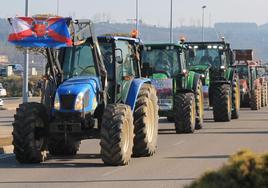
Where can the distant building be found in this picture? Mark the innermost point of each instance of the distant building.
(3, 59)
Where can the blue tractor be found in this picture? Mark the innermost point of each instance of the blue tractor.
(92, 89)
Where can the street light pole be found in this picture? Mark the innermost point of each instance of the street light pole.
(137, 15)
(57, 7)
(171, 22)
(203, 18)
(26, 63)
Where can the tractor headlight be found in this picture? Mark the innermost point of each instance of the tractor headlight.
(202, 75)
(222, 67)
(79, 102)
(57, 102)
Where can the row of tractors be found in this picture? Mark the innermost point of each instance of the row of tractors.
(114, 88)
(253, 84)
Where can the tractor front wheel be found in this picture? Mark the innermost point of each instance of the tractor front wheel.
(222, 103)
(117, 134)
(29, 133)
(185, 113)
(199, 99)
(145, 122)
(235, 99)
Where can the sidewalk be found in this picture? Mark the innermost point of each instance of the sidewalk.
(6, 120)
(6, 139)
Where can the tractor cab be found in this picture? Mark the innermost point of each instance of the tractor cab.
(211, 59)
(121, 56)
(164, 63)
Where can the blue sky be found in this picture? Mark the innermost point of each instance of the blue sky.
(154, 12)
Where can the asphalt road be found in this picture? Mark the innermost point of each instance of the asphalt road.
(179, 159)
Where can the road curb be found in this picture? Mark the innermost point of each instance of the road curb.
(6, 149)
(6, 145)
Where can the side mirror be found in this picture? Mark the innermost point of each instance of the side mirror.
(118, 55)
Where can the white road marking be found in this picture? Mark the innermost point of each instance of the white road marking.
(179, 143)
(113, 171)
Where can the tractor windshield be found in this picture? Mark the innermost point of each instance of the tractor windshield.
(260, 71)
(78, 61)
(206, 57)
(163, 60)
(242, 72)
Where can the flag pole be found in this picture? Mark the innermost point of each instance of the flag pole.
(25, 91)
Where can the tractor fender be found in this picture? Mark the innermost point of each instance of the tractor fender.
(230, 74)
(134, 91)
(192, 81)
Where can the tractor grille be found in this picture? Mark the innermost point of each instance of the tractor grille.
(67, 102)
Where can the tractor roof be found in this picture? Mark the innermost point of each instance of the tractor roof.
(222, 43)
(116, 37)
(164, 45)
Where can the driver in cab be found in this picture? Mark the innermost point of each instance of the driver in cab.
(206, 58)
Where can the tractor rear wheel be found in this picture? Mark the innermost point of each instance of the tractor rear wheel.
(58, 146)
(235, 99)
(255, 99)
(117, 134)
(222, 103)
(29, 133)
(170, 119)
(199, 99)
(145, 122)
(185, 112)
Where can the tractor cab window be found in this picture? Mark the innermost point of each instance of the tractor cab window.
(242, 72)
(107, 54)
(127, 65)
(163, 60)
(78, 61)
(207, 56)
(260, 71)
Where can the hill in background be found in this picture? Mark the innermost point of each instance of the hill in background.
(240, 35)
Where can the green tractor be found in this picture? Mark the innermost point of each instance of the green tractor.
(214, 61)
(179, 91)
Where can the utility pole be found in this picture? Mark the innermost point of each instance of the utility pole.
(58, 7)
(203, 21)
(171, 22)
(26, 64)
(137, 16)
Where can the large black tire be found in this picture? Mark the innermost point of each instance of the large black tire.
(222, 103)
(199, 100)
(145, 122)
(59, 147)
(264, 94)
(29, 133)
(117, 134)
(255, 99)
(170, 119)
(235, 99)
(185, 112)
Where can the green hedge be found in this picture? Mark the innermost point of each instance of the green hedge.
(243, 170)
(13, 85)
